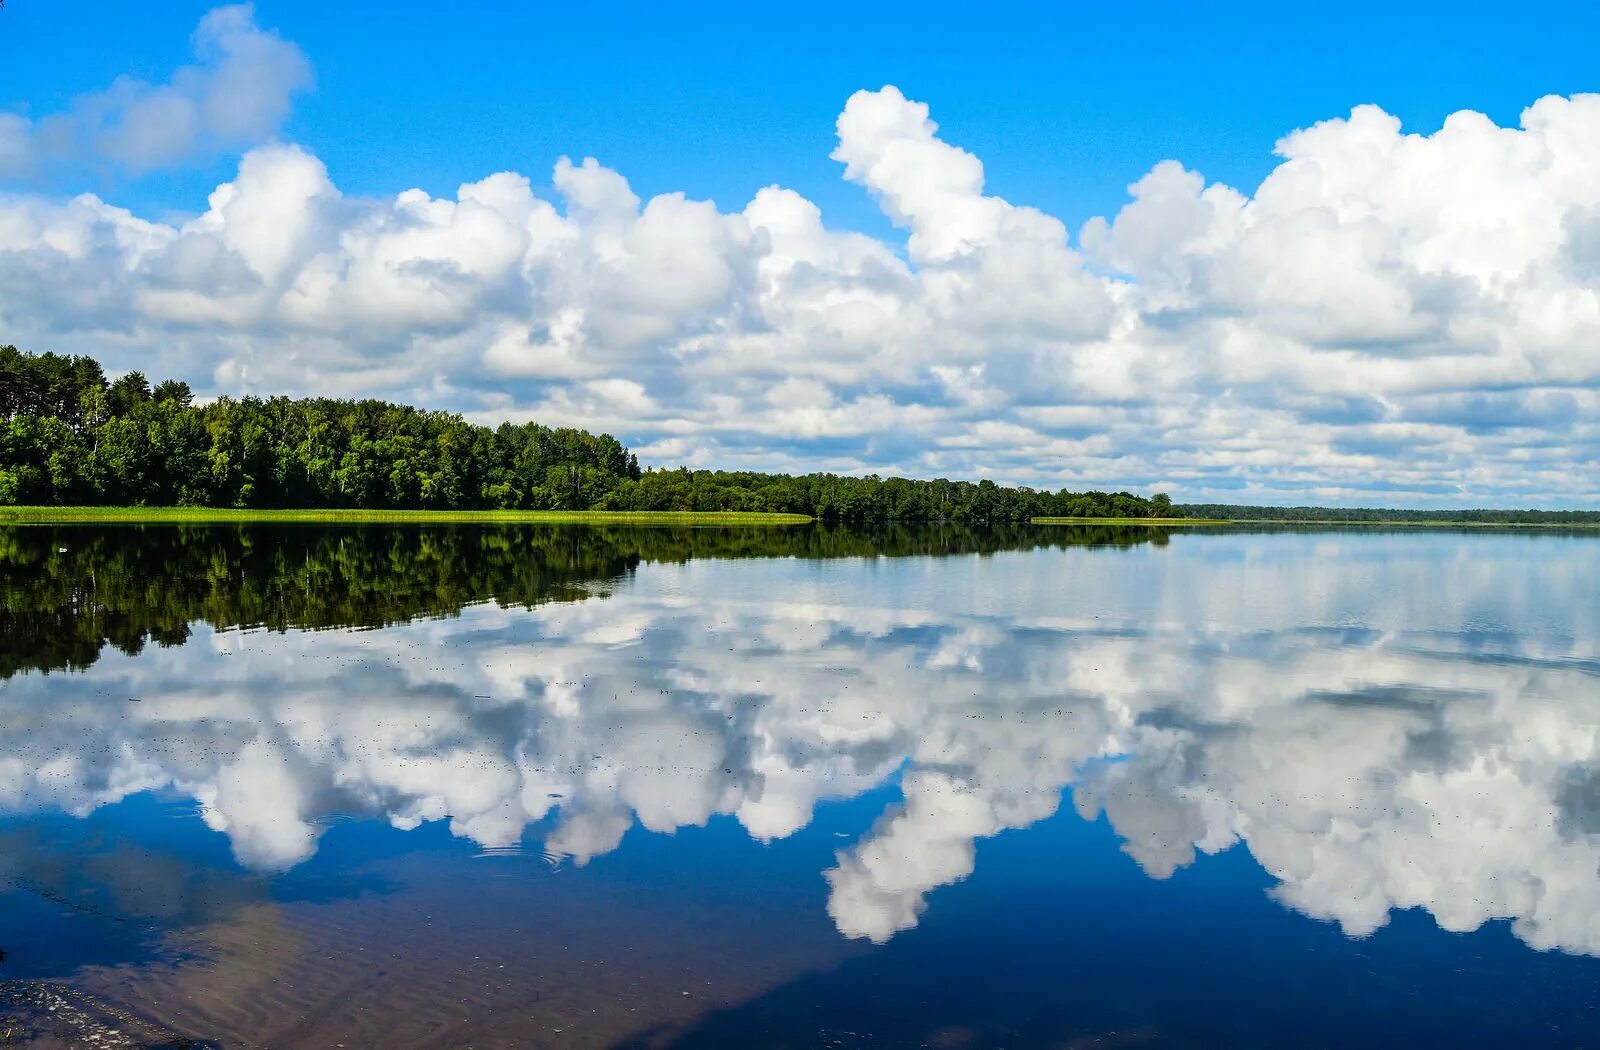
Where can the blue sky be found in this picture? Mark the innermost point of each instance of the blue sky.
(699, 343)
(1066, 103)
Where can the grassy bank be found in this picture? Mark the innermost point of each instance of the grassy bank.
(1131, 521)
(222, 515)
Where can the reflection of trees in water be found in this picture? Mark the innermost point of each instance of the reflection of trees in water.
(69, 591)
(1370, 746)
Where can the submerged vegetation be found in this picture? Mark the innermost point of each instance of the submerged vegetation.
(70, 437)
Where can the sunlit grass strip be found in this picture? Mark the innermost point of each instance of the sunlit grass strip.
(205, 515)
(1130, 521)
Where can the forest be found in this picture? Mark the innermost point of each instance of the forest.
(71, 436)
(1377, 515)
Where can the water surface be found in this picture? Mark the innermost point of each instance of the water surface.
(798, 787)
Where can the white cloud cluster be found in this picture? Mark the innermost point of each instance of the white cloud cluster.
(1389, 317)
(237, 93)
(1354, 714)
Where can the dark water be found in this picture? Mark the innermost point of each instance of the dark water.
(799, 788)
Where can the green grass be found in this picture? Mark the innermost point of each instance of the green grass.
(1131, 521)
(222, 515)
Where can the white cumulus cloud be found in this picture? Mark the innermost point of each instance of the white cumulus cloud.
(1391, 316)
(237, 92)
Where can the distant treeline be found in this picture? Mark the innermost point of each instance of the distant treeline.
(1377, 514)
(69, 591)
(70, 437)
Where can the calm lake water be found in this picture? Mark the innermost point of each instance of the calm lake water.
(798, 787)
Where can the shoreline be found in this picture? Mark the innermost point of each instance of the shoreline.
(35, 515)
(1129, 521)
(226, 515)
(19, 515)
(1410, 523)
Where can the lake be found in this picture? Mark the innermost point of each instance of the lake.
(799, 787)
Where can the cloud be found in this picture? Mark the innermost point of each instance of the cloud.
(237, 93)
(1407, 758)
(1389, 317)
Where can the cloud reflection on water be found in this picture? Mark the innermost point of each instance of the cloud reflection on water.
(1368, 762)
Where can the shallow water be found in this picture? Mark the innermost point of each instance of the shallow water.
(798, 787)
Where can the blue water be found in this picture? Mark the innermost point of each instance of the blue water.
(1225, 789)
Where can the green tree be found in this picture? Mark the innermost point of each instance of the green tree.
(69, 436)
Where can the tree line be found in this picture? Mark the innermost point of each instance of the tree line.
(70, 436)
(1336, 515)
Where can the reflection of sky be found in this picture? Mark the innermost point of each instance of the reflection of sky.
(1383, 721)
